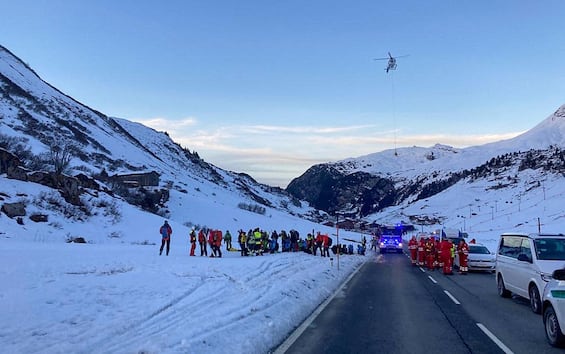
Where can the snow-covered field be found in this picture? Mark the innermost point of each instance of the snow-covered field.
(84, 298)
(115, 294)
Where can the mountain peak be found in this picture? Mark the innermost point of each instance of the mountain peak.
(550, 131)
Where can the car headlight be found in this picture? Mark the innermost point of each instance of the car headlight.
(545, 276)
(400, 244)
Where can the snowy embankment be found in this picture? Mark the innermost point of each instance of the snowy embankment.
(90, 298)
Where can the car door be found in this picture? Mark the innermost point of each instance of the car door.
(507, 263)
(524, 268)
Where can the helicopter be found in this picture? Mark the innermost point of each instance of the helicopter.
(391, 61)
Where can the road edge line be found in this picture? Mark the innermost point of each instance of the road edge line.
(300, 329)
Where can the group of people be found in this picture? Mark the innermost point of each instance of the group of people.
(435, 254)
(256, 242)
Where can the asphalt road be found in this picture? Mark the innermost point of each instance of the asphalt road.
(390, 306)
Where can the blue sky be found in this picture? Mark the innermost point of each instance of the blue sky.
(272, 87)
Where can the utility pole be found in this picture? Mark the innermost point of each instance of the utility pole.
(337, 235)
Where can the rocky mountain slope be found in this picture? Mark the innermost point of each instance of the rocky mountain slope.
(365, 186)
(40, 125)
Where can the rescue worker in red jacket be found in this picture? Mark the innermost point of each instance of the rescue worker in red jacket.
(325, 245)
(446, 247)
(463, 253)
(215, 241)
(430, 253)
(437, 261)
(413, 248)
(318, 243)
(165, 232)
(192, 241)
(422, 252)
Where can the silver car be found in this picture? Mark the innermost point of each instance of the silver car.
(480, 258)
(553, 309)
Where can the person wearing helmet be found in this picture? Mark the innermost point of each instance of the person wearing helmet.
(192, 241)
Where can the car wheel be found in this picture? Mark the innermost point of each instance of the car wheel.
(552, 328)
(535, 299)
(502, 292)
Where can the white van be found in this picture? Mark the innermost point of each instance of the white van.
(525, 262)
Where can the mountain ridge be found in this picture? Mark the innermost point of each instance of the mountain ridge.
(414, 173)
(41, 118)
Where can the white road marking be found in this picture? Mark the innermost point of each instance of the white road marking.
(432, 279)
(494, 339)
(422, 269)
(452, 297)
(298, 332)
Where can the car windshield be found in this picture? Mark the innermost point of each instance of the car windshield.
(550, 249)
(479, 250)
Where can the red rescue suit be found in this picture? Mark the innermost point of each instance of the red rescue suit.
(463, 252)
(430, 254)
(192, 242)
(413, 248)
(446, 256)
(422, 252)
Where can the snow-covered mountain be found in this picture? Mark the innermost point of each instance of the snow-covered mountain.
(37, 120)
(117, 295)
(383, 186)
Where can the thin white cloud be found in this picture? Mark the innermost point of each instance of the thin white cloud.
(164, 124)
(275, 154)
(259, 129)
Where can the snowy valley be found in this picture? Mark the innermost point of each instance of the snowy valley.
(115, 294)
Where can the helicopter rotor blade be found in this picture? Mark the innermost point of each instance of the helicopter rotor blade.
(380, 58)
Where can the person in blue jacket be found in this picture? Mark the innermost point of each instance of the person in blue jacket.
(165, 232)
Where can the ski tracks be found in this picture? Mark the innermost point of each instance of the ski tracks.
(197, 307)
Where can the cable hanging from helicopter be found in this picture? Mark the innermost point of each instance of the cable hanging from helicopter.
(391, 65)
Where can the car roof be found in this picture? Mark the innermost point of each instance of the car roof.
(533, 235)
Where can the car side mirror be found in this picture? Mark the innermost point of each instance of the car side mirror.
(524, 258)
(559, 274)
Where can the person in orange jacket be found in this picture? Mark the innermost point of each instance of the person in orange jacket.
(413, 248)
